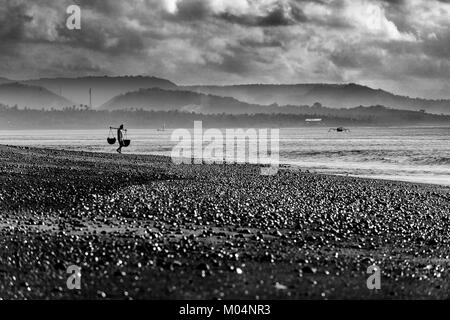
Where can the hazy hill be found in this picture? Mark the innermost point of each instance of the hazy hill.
(5, 80)
(186, 101)
(166, 100)
(103, 88)
(332, 95)
(232, 99)
(31, 96)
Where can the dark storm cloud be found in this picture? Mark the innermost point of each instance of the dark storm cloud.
(103, 37)
(282, 13)
(438, 46)
(102, 7)
(191, 10)
(250, 43)
(379, 42)
(13, 17)
(279, 16)
(234, 64)
(398, 12)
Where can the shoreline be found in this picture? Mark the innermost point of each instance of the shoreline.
(282, 166)
(141, 227)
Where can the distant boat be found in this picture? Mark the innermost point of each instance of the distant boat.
(339, 129)
(313, 120)
(163, 128)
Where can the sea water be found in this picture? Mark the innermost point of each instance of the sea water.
(417, 154)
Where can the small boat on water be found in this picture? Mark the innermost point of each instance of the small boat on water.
(339, 129)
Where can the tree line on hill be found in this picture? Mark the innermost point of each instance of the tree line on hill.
(84, 118)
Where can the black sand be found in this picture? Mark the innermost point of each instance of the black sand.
(141, 227)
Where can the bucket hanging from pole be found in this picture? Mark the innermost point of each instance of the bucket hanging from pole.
(111, 138)
(126, 141)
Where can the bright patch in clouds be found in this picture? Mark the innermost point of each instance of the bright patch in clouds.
(370, 17)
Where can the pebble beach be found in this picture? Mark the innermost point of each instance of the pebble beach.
(141, 227)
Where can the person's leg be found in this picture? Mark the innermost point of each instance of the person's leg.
(119, 150)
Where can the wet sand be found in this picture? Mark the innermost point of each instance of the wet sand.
(141, 227)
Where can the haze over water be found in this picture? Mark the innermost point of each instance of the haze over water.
(404, 154)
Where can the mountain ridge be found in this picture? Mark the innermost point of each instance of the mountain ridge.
(28, 96)
(331, 95)
(103, 87)
(157, 99)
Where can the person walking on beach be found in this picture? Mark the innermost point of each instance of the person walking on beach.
(120, 137)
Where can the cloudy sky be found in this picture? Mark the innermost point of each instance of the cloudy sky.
(402, 46)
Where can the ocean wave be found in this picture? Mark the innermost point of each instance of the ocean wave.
(361, 155)
(432, 160)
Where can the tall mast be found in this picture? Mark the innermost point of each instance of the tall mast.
(90, 98)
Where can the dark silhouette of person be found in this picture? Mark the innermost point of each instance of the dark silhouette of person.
(120, 138)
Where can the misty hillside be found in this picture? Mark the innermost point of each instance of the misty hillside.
(332, 95)
(103, 88)
(109, 93)
(5, 80)
(187, 101)
(166, 100)
(31, 97)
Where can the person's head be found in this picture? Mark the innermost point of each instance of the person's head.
(121, 126)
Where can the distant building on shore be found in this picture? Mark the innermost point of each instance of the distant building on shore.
(313, 120)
